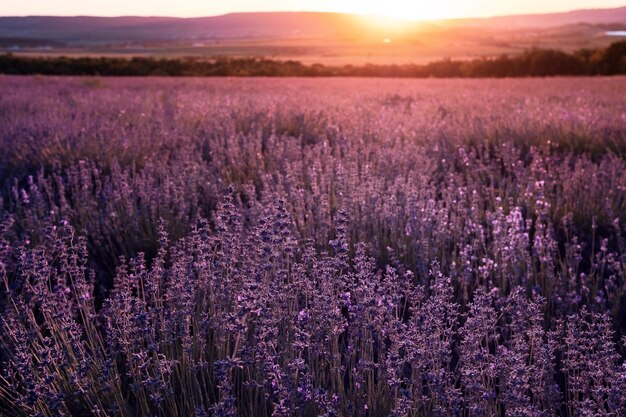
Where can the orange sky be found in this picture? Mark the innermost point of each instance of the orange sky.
(410, 9)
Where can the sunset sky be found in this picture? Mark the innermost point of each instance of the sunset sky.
(410, 9)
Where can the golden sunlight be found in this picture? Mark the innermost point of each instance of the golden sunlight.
(403, 9)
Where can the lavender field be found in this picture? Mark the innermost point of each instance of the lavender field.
(312, 247)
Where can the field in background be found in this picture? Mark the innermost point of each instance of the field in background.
(364, 247)
(325, 38)
(419, 50)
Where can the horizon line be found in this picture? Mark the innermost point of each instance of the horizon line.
(329, 12)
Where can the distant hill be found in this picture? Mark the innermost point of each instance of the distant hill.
(90, 30)
(589, 16)
(86, 30)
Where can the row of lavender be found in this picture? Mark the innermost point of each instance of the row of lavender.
(382, 247)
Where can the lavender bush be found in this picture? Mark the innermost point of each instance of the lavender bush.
(305, 247)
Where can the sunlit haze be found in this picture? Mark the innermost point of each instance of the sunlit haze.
(419, 9)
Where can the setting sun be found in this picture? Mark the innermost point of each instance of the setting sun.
(401, 9)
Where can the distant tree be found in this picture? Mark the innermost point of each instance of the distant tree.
(613, 60)
(551, 62)
(536, 62)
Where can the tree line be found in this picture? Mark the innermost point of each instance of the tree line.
(533, 63)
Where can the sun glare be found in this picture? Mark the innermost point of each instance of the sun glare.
(409, 10)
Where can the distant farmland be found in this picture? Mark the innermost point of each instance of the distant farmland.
(324, 38)
(532, 63)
